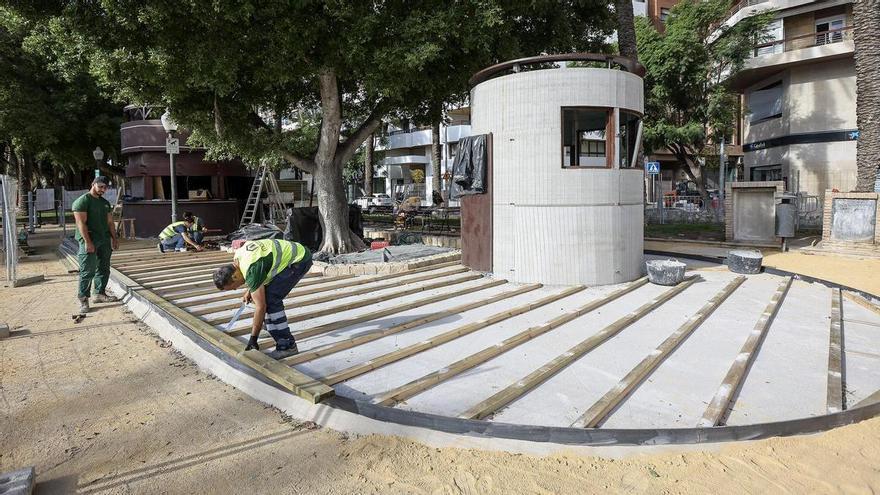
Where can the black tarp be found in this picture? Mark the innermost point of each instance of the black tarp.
(256, 231)
(304, 226)
(469, 167)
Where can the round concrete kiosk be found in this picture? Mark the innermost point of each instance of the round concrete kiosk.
(566, 192)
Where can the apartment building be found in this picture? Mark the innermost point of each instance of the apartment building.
(799, 92)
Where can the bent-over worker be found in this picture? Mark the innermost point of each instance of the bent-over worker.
(269, 268)
(197, 231)
(176, 236)
(97, 240)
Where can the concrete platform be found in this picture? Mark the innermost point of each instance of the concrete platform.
(449, 340)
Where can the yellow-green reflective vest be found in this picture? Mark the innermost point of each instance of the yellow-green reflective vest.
(169, 232)
(284, 254)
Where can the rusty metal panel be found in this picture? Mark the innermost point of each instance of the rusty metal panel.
(476, 223)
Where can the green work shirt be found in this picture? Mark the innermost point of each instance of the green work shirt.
(258, 272)
(97, 210)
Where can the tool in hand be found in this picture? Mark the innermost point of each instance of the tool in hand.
(235, 317)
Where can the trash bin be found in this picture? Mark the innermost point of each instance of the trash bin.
(786, 216)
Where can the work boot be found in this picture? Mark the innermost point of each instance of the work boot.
(83, 305)
(104, 298)
(283, 348)
(160, 247)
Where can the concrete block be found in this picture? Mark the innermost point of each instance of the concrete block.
(745, 261)
(4, 331)
(21, 282)
(20, 482)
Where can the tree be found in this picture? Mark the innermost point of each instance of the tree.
(50, 121)
(626, 29)
(866, 14)
(241, 75)
(369, 150)
(687, 103)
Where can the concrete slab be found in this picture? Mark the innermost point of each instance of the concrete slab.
(19, 482)
(789, 377)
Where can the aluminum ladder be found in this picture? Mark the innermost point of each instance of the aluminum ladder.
(253, 201)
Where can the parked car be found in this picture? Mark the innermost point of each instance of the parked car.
(375, 202)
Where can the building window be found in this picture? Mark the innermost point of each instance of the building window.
(585, 137)
(664, 14)
(766, 103)
(766, 173)
(627, 129)
(829, 30)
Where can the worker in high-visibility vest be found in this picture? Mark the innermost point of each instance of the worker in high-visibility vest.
(176, 236)
(197, 231)
(270, 268)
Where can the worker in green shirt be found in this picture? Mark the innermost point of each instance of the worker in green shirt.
(269, 268)
(97, 239)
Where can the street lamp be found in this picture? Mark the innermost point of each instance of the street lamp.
(98, 154)
(171, 148)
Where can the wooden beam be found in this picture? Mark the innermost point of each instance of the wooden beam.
(235, 295)
(597, 413)
(516, 390)
(366, 337)
(342, 295)
(717, 411)
(836, 399)
(861, 301)
(245, 328)
(164, 259)
(165, 289)
(202, 264)
(403, 353)
(297, 382)
(425, 382)
(358, 281)
(381, 313)
(172, 274)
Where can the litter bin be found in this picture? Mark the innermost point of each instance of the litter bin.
(786, 216)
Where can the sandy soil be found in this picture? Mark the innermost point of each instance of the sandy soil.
(105, 407)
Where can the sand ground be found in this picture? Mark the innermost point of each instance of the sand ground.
(106, 407)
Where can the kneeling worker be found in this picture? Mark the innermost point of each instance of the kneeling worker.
(198, 229)
(176, 235)
(270, 268)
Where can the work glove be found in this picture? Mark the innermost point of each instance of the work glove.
(252, 343)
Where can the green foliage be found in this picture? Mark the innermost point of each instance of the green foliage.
(51, 116)
(687, 102)
(233, 71)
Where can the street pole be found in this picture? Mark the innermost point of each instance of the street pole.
(722, 159)
(173, 173)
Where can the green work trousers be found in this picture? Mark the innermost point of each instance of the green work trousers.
(94, 266)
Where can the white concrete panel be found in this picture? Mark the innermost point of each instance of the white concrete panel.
(861, 345)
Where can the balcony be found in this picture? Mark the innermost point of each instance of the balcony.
(771, 57)
(747, 8)
(454, 133)
(139, 136)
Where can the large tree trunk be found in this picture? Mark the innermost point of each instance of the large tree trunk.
(368, 166)
(435, 158)
(694, 171)
(626, 29)
(866, 35)
(333, 208)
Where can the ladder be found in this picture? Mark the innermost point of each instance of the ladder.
(253, 201)
(277, 209)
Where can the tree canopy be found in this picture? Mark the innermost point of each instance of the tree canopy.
(687, 103)
(304, 82)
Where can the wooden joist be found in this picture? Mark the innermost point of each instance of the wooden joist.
(162, 260)
(861, 301)
(346, 293)
(245, 328)
(716, 413)
(317, 284)
(364, 338)
(438, 340)
(430, 380)
(381, 313)
(516, 390)
(597, 413)
(297, 382)
(173, 274)
(297, 291)
(164, 290)
(836, 399)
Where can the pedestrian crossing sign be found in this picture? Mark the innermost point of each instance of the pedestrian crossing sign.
(652, 168)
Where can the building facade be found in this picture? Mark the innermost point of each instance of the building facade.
(799, 94)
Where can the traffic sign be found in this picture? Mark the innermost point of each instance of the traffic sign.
(652, 168)
(172, 146)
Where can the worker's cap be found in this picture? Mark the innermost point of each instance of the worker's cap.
(101, 179)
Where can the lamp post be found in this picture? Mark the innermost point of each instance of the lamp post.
(98, 154)
(172, 147)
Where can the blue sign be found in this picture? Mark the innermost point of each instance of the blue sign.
(652, 168)
(854, 135)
